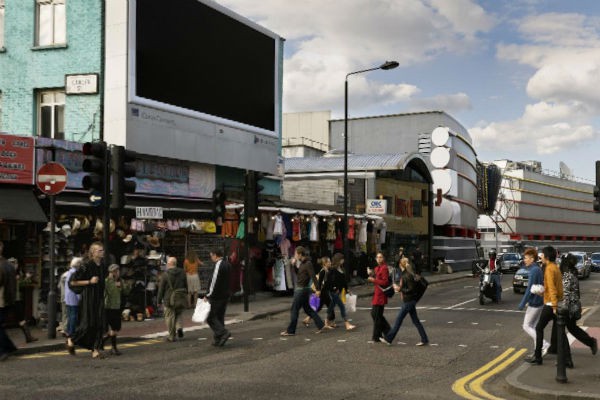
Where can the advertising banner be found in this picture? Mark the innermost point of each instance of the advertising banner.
(17, 164)
(376, 206)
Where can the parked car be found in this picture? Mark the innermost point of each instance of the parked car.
(584, 264)
(510, 262)
(520, 280)
(595, 259)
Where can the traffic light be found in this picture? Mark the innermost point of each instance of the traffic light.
(123, 167)
(95, 164)
(254, 189)
(597, 188)
(218, 203)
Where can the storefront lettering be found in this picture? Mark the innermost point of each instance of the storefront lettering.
(21, 143)
(13, 166)
(8, 154)
(166, 172)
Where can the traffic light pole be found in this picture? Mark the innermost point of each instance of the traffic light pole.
(52, 288)
(106, 213)
(246, 266)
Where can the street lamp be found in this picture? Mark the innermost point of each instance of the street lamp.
(385, 66)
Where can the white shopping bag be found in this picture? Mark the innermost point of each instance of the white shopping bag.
(201, 311)
(351, 302)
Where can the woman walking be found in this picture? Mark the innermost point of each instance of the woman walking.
(71, 303)
(380, 277)
(322, 294)
(408, 292)
(334, 284)
(19, 307)
(572, 302)
(191, 265)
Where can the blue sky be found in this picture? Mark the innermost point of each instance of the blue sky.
(522, 76)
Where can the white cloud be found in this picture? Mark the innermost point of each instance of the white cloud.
(327, 39)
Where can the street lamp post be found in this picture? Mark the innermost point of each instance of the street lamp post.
(385, 66)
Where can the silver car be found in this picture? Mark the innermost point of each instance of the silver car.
(584, 264)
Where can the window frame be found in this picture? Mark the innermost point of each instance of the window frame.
(2, 23)
(54, 41)
(53, 114)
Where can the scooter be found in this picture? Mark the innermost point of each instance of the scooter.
(487, 288)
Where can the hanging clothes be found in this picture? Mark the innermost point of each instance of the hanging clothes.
(278, 227)
(289, 279)
(314, 229)
(351, 228)
(270, 227)
(279, 275)
(362, 233)
(339, 242)
(330, 229)
(304, 227)
(240, 231)
(230, 224)
(284, 247)
(382, 232)
(296, 234)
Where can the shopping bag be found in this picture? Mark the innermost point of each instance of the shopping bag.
(314, 301)
(351, 302)
(343, 295)
(201, 312)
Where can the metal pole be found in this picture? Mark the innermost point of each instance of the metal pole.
(561, 344)
(106, 211)
(51, 291)
(345, 224)
(247, 219)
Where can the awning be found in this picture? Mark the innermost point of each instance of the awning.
(20, 205)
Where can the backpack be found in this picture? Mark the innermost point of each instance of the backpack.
(420, 288)
(389, 290)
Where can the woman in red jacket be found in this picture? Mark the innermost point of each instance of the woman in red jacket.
(381, 279)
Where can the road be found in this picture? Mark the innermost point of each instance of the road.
(259, 364)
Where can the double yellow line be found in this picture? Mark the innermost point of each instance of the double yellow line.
(471, 386)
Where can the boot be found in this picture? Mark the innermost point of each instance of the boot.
(27, 333)
(114, 350)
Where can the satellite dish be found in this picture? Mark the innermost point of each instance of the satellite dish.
(441, 180)
(442, 214)
(565, 171)
(440, 157)
(441, 136)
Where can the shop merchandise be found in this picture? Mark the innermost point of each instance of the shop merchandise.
(314, 229)
(278, 227)
(331, 229)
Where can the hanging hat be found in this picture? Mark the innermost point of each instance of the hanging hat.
(113, 267)
(47, 228)
(125, 259)
(154, 255)
(153, 241)
(99, 226)
(76, 226)
(128, 238)
(85, 223)
(120, 233)
(66, 230)
(112, 226)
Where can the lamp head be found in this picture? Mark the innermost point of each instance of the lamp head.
(389, 65)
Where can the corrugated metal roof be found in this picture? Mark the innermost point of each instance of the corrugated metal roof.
(356, 162)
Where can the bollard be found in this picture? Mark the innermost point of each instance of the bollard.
(561, 342)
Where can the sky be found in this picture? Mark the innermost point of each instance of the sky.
(522, 76)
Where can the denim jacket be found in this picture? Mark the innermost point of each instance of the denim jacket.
(535, 278)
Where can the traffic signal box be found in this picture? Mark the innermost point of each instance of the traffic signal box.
(95, 163)
(597, 188)
(122, 167)
(253, 189)
(218, 203)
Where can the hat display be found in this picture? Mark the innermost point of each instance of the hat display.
(154, 255)
(47, 228)
(112, 226)
(153, 241)
(99, 226)
(76, 226)
(128, 238)
(85, 223)
(125, 259)
(66, 230)
(113, 267)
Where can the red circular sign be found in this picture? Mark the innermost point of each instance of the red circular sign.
(52, 178)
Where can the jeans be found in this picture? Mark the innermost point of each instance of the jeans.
(301, 297)
(546, 316)
(336, 300)
(216, 318)
(532, 316)
(380, 324)
(498, 285)
(408, 307)
(72, 317)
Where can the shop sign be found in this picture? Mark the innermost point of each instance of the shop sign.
(376, 206)
(149, 212)
(17, 164)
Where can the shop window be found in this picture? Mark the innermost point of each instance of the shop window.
(417, 208)
(1, 24)
(51, 114)
(51, 22)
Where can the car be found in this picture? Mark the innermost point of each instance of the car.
(510, 262)
(584, 264)
(520, 280)
(595, 262)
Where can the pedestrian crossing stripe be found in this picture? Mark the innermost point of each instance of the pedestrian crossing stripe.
(65, 353)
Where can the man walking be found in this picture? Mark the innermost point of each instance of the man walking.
(173, 281)
(8, 290)
(218, 296)
(553, 293)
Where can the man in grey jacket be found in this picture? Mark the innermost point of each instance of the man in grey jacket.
(172, 280)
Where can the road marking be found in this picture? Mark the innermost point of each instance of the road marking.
(64, 353)
(471, 386)
(460, 304)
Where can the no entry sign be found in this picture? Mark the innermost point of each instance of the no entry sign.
(52, 178)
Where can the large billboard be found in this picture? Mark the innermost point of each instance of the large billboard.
(204, 85)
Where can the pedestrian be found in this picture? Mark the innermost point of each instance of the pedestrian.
(304, 275)
(572, 302)
(335, 284)
(112, 305)
(71, 304)
(533, 301)
(191, 265)
(553, 294)
(19, 305)
(172, 280)
(380, 277)
(8, 289)
(90, 277)
(323, 295)
(218, 296)
(417, 258)
(408, 292)
(495, 275)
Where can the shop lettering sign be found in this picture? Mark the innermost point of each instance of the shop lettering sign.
(376, 206)
(149, 212)
(17, 161)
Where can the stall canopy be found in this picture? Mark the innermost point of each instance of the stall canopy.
(20, 205)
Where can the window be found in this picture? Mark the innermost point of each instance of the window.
(1, 24)
(51, 114)
(51, 22)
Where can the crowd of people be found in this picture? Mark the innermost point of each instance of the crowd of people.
(552, 290)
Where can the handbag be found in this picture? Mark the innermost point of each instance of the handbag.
(572, 308)
(314, 301)
(201, 311)
(351, 302)
(537, 289)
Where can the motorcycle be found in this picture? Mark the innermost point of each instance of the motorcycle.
(487, 286)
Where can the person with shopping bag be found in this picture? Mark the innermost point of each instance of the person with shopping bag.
(172, 294)
(218, 296)
(335, 284)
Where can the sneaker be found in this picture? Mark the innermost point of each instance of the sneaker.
(384, 340)
(286, 333)
(180, 333)
(422, 344)
(545, 348)
(224, 339)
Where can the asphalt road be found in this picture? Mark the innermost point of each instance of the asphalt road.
(259, 364)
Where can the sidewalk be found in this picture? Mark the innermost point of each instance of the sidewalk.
(261, 305)
(583, 381)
